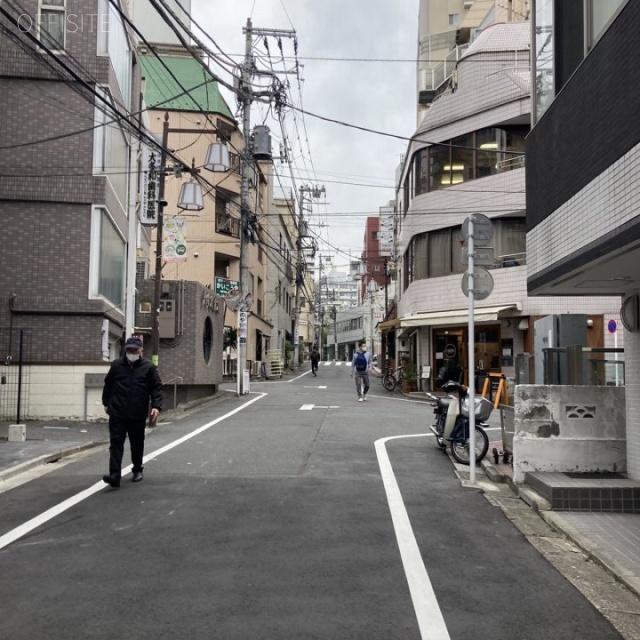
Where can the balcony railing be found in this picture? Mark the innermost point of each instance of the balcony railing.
(515, 162)
(227, 224)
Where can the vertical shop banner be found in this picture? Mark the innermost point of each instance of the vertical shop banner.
(174, 239)
(149, 186)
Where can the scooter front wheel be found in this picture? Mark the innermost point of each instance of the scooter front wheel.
(389, 382)
(460, 450)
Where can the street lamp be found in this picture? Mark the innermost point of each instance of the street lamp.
(190, 199)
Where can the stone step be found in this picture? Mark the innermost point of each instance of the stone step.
(594, 492)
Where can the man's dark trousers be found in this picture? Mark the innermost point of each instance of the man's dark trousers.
(119, 428)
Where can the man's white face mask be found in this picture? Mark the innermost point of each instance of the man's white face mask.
(132, 357)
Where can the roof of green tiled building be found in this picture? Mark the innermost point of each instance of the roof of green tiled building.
(161, 91)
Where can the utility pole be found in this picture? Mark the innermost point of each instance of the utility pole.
(335, 329)
(320, 307)
(300, 233)
(299, 272)
(155, 331)
(246, 94)
(245, 101)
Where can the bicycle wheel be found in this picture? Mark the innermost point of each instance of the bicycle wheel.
(389, 382)
(460, 449)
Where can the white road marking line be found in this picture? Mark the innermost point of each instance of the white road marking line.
(309, 407)
(30, 525)
(430, 620)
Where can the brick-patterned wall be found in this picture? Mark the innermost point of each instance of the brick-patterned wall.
(44, 281)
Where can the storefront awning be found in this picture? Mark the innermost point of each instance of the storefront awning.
(388, 324)
(459, 316)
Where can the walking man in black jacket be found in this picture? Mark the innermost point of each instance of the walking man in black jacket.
(131, 383)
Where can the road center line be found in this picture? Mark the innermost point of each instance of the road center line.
(30, 525)
(430, 620)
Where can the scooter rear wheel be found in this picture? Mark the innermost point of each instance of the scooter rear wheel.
(460, 450)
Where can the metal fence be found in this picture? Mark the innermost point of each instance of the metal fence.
(15, 374)
(574, 365)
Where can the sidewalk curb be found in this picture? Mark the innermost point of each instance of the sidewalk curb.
(555, 519)
(65, 452)
(48, 458)
(594, 552)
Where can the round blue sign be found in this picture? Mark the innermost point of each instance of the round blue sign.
(612, 326)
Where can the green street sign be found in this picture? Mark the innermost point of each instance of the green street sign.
(224, 285)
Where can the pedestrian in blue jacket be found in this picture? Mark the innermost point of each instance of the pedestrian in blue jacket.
(360, 368)
(130, 385)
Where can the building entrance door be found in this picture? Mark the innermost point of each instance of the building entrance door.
(450, 348)
(449, 355)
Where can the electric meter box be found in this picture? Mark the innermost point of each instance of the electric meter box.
(167, 318)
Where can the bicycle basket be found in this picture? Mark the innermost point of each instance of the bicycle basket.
(484, 408)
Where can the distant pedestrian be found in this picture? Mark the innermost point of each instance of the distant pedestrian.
(315, 358)
(130, 385)
(360, 368)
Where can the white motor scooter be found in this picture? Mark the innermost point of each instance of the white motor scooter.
(452, 422)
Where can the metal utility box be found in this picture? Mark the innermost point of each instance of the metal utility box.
(557, 332)
(167, 319)
(262, 143)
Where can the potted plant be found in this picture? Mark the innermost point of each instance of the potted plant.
(409, 377)
(288, 354)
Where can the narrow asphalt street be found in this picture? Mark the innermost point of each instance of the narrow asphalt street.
(295, 512)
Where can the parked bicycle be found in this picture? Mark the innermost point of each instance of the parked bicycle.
(391, 379)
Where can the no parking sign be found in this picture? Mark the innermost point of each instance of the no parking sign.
(612, 326)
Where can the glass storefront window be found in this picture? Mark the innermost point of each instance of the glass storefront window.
(439, 253)
(461, 159)
(422, 171)
(490, 144)
(439, 178)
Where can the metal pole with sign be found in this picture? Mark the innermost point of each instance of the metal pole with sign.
(476, 282)
(471, 354)
(241, 380)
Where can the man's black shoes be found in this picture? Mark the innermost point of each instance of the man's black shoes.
(137, 476)
(112, 481)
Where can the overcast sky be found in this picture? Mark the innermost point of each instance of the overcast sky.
(357, 168)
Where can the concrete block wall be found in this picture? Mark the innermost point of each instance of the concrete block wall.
(56, 391)
(569, 429)
(632, 383)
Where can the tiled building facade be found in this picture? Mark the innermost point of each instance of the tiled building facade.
(64, 198)
(582, 171)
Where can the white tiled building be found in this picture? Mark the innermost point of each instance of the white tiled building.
(583, 166)
(468, 158)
